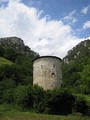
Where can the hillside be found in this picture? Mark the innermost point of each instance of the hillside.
(15, 64)
(76, 68)
(16, 72)
(17, 44)
(79, 51)
(13, 50)
(4, 61)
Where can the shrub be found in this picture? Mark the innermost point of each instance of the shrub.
(59, 102)
(1, 93)
(23, 97)
(8, 96)
(38, 98)
(2, 50)
(80, 105)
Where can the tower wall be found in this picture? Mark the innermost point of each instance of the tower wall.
(47, 72)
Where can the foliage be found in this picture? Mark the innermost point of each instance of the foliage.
(14, 50)
(25, 64)
(80, 105)
(5, 61)
(16, 80)
(10, 54)
(70, 73)
(38, 98)
(85, 79)
(14, 46)
(10, 72)
(59, 102)
(2, 50)
(1, 92)
(8, 96)
(76, 68)
(23, 97)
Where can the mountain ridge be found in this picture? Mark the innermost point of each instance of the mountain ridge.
(18, 45)
(80, 50)
(76, 68)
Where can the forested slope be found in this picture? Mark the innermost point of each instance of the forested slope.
(76, 68)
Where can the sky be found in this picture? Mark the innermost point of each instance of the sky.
(49, 27)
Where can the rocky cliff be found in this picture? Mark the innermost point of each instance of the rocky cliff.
(18, 45)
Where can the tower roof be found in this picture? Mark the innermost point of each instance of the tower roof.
(47, 57)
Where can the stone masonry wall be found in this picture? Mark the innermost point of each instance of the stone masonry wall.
(47, 72)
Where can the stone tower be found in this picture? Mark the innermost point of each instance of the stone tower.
(47, 72)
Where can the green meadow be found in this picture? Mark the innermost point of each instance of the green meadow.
(8, 112)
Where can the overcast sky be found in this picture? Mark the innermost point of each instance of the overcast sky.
(49, 27)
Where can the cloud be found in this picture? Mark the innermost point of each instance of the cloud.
(70, 18)
(86, 25)
(45, 36)
(85, 10)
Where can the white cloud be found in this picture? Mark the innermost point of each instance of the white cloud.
(71, 17)
(86, 25)
(85, 10)
(47, 37)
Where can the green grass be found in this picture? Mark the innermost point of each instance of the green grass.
(33, 116)
(5, 61)
(8, 112)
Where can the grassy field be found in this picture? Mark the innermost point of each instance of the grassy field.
(33, 116)
(10, 113)
(5, 61)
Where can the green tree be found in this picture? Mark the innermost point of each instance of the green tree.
(23, 97)
(38, 98)
(10, 72)
(8, 96)
(85, 79)
(2, 50)
(59, 101)
(26, 66)
(70, 73)
(80, 105)
(10, 54)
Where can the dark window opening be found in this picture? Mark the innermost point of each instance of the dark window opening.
(53, 74)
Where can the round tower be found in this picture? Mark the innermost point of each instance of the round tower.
(47, 72)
